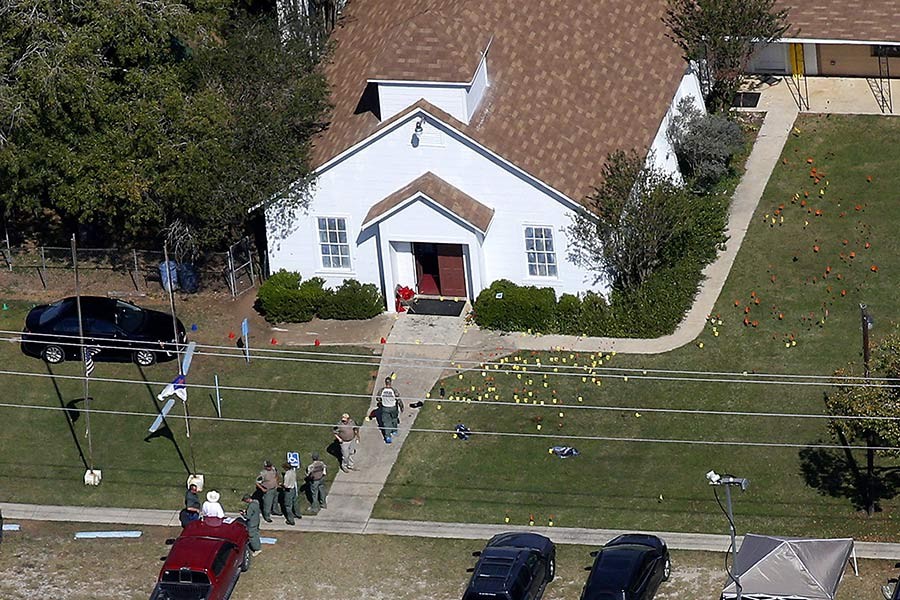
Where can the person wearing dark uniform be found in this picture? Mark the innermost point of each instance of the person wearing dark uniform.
(251, 519)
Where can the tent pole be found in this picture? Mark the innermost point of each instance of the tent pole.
(737, 578)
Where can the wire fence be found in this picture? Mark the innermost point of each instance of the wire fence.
(122, 271)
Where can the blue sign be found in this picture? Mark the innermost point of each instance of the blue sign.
(293, 459)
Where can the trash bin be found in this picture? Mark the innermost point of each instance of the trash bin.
(168, 275)
(188, 278)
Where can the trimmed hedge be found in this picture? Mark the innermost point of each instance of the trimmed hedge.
(282, 298)
(517, 308)
(352, 300)
(654, 309)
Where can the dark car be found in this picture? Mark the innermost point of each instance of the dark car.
(121, 331)
(513, 566)
(205, 561)
(628, 567)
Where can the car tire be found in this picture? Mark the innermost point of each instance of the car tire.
(53, 354)
(245, 564)
(144, 358)
(667, 569)
(551, 568)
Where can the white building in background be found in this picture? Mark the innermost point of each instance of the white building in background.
(464, 138)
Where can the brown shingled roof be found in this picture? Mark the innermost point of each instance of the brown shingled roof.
(459, 203)
(848, 20)
(571, 81)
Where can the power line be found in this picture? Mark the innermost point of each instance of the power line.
(625, 373)
(466, 400)
(489, 433)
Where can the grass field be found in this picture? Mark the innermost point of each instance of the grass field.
(44, 560)
(832, 245)
(43, 453)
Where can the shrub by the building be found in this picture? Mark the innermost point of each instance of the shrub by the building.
(352, 300)
(283, 298)
(509, 307)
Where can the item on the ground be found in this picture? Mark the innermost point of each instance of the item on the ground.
(564, 451)
(11, 527)
(419, 404)
(462, 432)
(267, 540)
(439, 308)
(90, 535)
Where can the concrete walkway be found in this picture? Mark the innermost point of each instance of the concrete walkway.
(352, 496)
(429, 529)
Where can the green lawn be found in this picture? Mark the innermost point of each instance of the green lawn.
(808, 289)
(41, 454)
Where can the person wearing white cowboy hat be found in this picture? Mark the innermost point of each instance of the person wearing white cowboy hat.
(212, 508)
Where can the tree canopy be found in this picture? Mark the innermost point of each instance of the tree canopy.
(636, 214)
(119, 118)
(719, 35)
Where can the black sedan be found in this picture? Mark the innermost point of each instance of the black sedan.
(513, 566)
(121, 331)
(628, 567)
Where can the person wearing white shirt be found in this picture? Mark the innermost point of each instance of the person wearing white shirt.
(212, 508)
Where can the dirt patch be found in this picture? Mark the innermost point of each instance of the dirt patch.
(43, 560)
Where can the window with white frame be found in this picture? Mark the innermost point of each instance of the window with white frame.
(540, 251)
(333, 243)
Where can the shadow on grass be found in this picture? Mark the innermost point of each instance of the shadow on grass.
(164, 431)
(71, 411)
(836, 473)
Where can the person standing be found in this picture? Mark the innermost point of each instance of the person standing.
(388, 400)
(251, 520)
(289, 485)
(212, 508)
(315, 474)
(347, 435)
(267, 484)
(192, 507)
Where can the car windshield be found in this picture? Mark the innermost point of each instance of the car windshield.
(128, 316)
(53, 312)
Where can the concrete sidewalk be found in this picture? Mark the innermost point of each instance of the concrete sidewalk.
(353, 495)
(429, 529)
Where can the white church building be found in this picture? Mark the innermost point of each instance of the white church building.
(464, 137)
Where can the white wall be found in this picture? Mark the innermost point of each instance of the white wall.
(397, 97)
(769, 58)
(663, 154)
(350, 186)
(476, 91)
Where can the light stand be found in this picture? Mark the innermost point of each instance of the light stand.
(728, 481)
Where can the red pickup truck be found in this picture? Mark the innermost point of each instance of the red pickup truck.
(205, 561)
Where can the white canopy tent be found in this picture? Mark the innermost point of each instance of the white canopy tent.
(779, 568)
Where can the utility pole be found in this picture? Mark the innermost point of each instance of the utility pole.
(866, 323)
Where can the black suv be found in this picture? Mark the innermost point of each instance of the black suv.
(628, 567)
(513, 566)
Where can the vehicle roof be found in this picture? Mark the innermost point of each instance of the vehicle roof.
(198, 544)
(615, 567)
(515, 539)
(646, 539)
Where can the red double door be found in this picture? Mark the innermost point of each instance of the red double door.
(440, 269)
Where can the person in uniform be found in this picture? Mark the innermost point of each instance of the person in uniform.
(267, 484)
(388, 400)
(289, 486)
(346, 432)
(251, 520)
(315, 474)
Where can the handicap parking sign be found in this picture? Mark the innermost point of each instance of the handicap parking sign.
(293, 458)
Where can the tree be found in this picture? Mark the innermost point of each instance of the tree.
(879, 407)
(719, 35)
(120, 118)
(633, 220)
(704, 143)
